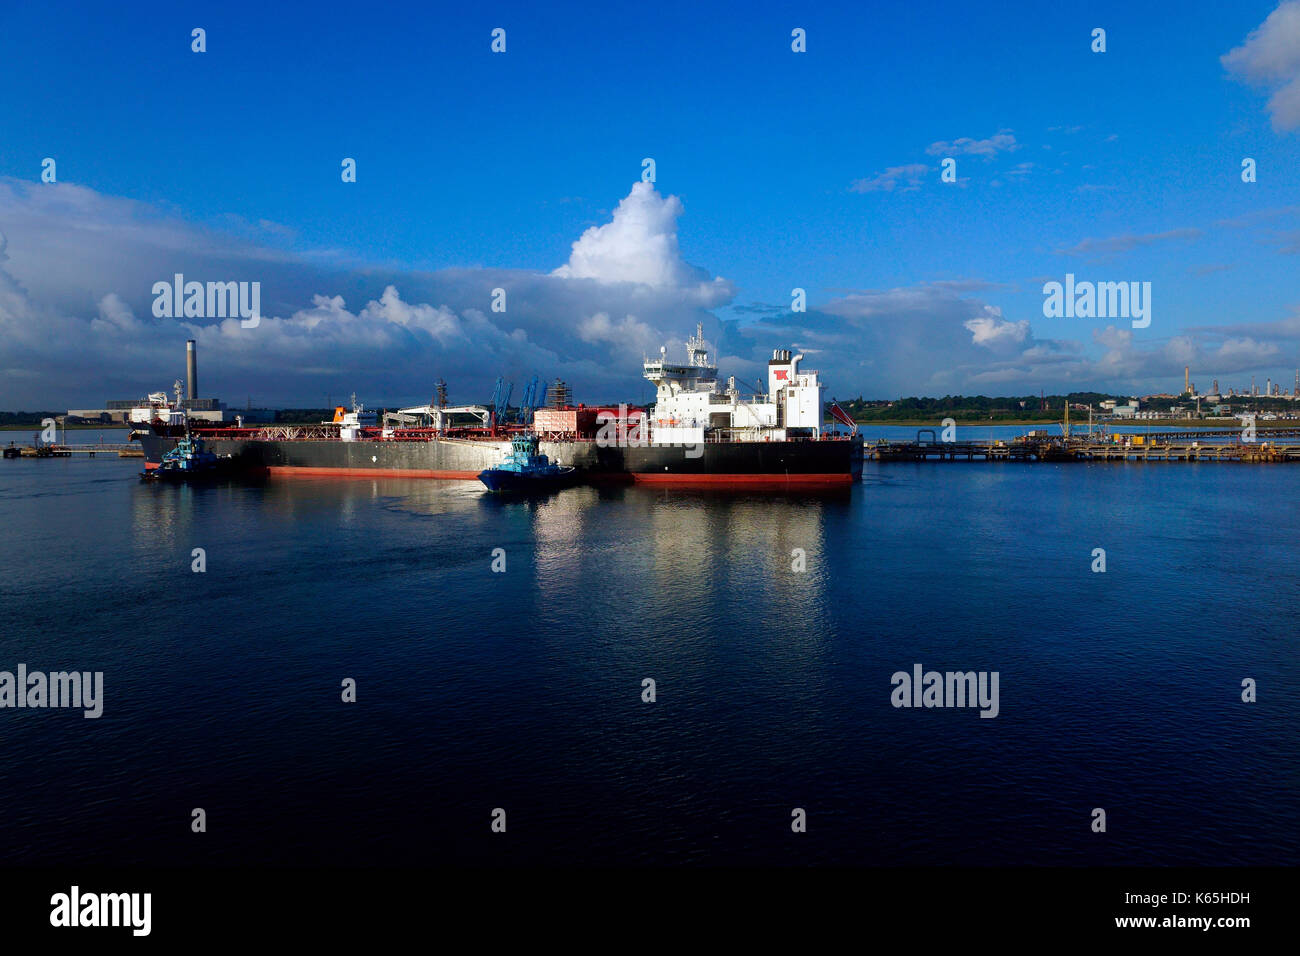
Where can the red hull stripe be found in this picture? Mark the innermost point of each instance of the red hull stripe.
(299, 470)
(671, 479)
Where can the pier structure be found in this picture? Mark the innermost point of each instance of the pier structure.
(1137, 448)
(107, 449)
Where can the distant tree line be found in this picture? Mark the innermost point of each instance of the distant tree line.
(26, 419)
(981, 408)
(283, 416)
(300, 416)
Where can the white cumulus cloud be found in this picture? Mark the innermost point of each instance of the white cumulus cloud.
(1270, 58)
(639, 245)
(994, 332)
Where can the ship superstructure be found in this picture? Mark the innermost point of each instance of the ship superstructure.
(691, 407)
(158, 409)
(351, 423)
(158, 415)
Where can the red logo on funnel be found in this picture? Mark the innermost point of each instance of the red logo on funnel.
(783, 374)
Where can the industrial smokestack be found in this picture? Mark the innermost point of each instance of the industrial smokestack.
(191, 370)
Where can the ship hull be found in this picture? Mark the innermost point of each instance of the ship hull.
(746, 463)
(714, 464)
(441, 458)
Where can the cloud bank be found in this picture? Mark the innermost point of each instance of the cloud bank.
(76, 323)
(77, 327)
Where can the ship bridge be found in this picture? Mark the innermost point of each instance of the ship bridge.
(697, 375)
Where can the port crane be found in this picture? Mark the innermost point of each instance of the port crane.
(443, 416)
(501, 400)
(532, 400)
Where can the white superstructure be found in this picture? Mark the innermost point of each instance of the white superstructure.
(351, 422)
(157, 409)
(690, 407)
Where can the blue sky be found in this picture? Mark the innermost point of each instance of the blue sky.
(479, 170)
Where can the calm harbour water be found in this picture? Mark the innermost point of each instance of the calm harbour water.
(522, 690)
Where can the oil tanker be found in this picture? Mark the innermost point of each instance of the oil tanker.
(698, 432)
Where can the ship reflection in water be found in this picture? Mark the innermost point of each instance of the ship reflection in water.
(500, 650)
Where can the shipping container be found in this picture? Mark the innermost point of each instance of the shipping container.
(567, 422)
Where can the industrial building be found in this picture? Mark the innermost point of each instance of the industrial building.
(117, 411)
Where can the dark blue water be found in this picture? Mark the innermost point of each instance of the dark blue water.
(522, 689)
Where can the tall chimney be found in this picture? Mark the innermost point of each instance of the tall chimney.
(191, 370)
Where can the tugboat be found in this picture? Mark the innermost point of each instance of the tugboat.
(188, 461)
(524, 470)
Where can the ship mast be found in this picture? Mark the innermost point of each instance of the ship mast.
(697, 350)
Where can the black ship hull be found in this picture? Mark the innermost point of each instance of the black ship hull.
(733, 464)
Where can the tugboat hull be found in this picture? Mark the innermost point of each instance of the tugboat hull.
(513, 482)
(223, 469)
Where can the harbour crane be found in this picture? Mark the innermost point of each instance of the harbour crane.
(501, 400)
(530, 401)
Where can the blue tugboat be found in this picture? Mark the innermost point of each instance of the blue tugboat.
(188, 461)
(524, 470)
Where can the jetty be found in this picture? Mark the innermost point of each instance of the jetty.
(106, 449)
(1184, 446)
(121, 450)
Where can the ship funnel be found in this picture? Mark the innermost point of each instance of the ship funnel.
(191, 370)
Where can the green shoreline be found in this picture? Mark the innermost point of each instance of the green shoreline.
(1163, 424)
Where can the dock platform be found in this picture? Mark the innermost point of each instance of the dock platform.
(1060, 449)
